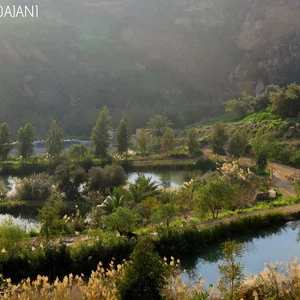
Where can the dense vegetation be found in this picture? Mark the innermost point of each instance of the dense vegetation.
(122, 216)
(145, 270)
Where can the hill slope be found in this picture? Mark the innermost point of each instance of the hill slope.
(139, 57)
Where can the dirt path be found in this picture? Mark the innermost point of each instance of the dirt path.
(282, 175)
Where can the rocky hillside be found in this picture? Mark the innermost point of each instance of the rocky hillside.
(142, 57)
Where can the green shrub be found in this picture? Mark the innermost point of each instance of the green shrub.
(33, 233)
(203, 142)
(122, 220)
(103, 179)
(144, 275)
(77, 152)
(49, 215)
(295, 159)
(35, 187)
(178, 154)
(11, 236)
(205, 164)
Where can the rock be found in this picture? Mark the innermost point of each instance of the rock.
(272, 194)
(259, 87)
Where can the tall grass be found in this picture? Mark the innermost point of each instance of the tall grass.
(277, 281)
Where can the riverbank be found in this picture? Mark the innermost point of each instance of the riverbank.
(30, 208)
(174, 164)
(292, 213)
(83, 257)
(40, 163)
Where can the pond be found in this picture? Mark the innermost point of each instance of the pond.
(26, 224)
(39, 147)
(278, 244)
(165, 179)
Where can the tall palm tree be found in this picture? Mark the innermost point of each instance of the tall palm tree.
(158, 124)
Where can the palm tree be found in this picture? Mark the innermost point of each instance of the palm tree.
(143, 188)
(113, 201)
(158, 124)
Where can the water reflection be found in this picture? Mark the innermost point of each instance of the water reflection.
(39, 147)
(165, 179)
(26, 224)
(275, 244)
(9, 183)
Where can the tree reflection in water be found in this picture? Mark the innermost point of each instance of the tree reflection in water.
(213, 253)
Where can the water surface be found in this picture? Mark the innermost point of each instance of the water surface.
(277, 244)
(26, 224)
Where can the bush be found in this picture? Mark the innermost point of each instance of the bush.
(50, 218)
(144, 276)
(77, 152)
(114, 176)
(205, 164)
(35, 187)
(69, 180)
(11, 236)
(122, 220)
(154, 145)
(203, 142)
(103, 179)
(295, 159)
(178, 154)
(32, 233)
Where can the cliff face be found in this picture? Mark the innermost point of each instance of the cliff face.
(142, 57)
(269, 38)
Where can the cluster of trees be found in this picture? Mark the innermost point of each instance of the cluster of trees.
(101, 134)
(55, 139)
(156, 138)
(263, 146)
(220, 141)
(26, 137)
(72, 183)
(124, 209)
(284, 102)
(144, 202)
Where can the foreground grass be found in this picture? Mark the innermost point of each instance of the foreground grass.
(277, 281)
